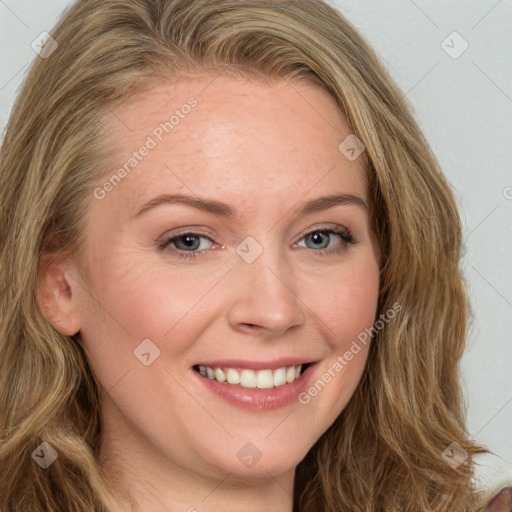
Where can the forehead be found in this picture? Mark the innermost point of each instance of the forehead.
(222, 135)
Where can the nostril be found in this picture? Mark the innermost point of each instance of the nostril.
(250, 326)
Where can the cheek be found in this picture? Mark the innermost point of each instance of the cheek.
(346, 299)
(134, 301)
(346, 306)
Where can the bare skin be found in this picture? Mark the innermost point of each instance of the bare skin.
(265, 151)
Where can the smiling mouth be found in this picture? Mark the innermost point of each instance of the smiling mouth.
(247, 378)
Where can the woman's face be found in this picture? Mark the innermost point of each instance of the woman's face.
(214, 249)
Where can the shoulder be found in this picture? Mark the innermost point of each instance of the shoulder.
(493, 476)
(501, 502)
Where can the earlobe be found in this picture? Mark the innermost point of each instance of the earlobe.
(56, 296)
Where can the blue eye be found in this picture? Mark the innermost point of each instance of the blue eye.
(188, 244)
(185, 245)
(319, 237)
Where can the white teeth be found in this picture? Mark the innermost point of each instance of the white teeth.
(290, 374)
(220, 375)
(233, 377)
(262, 379)
(265, 379)
(280, 377)
(248, 379)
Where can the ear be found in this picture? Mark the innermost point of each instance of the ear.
(55, 294)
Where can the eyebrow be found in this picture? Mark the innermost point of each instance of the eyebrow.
(225, 210)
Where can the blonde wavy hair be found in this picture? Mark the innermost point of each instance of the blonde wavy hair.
(384, 451)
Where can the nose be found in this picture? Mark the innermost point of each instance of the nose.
(265, 297)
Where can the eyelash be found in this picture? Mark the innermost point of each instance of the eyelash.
(345, 236)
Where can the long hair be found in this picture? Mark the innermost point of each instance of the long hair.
(385, 451)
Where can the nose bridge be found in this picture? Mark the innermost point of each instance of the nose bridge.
(265, 295)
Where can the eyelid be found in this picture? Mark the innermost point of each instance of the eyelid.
(325, 227)
(165, 240)
(195, 230)
(192, 230)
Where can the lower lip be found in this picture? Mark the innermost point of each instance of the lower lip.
(258, 399)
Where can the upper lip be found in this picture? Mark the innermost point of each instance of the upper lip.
(257, 365)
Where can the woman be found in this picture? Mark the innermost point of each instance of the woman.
(141, 371)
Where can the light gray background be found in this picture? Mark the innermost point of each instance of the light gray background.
(464, 106)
